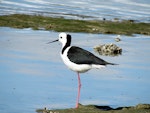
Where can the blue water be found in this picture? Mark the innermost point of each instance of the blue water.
(138, 10)
(32, 75)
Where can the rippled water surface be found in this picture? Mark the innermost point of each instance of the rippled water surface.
(80, 9)
(33, 76)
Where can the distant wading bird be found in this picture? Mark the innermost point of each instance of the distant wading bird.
(78, 59)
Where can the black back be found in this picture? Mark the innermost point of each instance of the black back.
(81, 56)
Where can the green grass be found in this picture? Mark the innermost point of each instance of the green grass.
(69, 25)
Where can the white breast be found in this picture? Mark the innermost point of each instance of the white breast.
(75, 67)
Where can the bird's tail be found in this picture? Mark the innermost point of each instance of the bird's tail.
(108, 63)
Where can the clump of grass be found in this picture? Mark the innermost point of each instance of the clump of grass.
(69, 25)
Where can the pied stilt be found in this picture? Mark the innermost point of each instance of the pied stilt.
(78, 59)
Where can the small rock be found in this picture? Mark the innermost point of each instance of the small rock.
(108, 49)
(142, 106)
(117, 39)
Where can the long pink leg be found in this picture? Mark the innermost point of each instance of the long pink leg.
(79, 87)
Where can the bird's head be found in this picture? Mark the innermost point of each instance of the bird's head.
(64, 38)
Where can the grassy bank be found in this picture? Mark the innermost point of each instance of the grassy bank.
(140, 108)
(70, 25)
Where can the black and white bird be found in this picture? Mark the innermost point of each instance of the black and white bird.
(78, 59)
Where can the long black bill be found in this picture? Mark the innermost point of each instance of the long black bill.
(52, 41)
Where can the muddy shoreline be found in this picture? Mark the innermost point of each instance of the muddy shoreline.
(140, 108)
(38, 22)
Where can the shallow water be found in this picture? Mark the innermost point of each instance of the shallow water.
(80, 9)
(33, 76)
